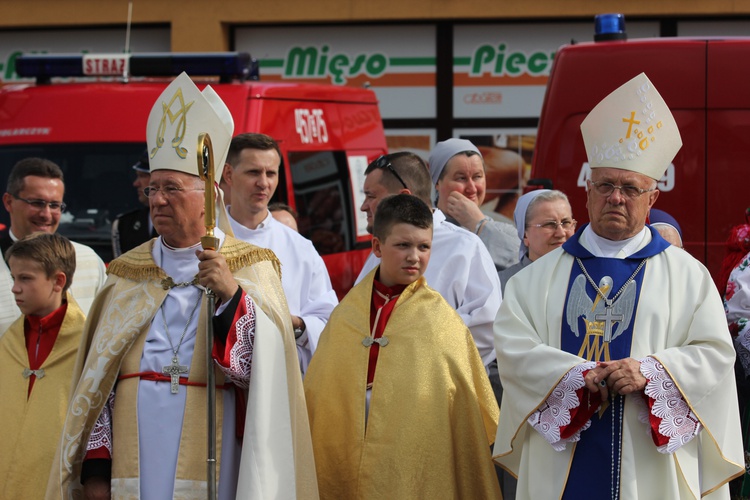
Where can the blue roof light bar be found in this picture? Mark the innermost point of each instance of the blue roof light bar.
(226, 65)
(609, 27)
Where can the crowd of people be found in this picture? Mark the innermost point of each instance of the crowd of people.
(473, 358)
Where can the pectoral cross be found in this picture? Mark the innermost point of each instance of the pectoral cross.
(609, 317)
(174, 370)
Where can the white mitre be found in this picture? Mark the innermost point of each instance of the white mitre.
(178, 117)
(632, 129)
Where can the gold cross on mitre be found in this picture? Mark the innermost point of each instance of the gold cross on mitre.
(632, 129)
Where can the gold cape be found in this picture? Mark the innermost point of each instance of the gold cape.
(31, 427)
(433, 415)
(121, 315)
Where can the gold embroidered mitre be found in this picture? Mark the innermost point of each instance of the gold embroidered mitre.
(632, 129)
(178, 117)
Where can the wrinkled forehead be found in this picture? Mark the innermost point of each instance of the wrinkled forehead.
(164, 176)
(620, 176)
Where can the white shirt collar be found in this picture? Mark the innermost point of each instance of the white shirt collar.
(265, 222)
(602, 247)
(437, 216)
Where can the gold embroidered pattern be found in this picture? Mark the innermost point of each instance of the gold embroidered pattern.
(180, 117)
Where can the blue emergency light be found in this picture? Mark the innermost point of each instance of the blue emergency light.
(609, 27)
(225, 65)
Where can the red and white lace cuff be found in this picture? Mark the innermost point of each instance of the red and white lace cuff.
(241, 338)
(676, 420)
(101, 436)
(554, 413)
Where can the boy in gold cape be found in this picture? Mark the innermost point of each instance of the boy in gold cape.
(41, 356)
(399, 402)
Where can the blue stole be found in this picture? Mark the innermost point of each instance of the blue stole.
(594, 471)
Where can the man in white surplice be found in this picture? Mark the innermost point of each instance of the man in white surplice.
(252, 173)
(136, 426)
(613, 350)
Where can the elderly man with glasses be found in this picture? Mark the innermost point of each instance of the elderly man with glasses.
(136, 425)
(613, 350)
(34, 200)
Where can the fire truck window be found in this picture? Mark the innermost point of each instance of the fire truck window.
(323, 199)
(98, 186)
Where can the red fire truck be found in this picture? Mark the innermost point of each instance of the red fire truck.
(95, 130)
(704, 81)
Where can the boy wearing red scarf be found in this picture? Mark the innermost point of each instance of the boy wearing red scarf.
(399, 402)
(40, 358)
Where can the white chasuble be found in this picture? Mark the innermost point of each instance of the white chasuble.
(126, 334)
(678, 320)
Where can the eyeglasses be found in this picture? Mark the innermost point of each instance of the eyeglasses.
(567, 225)
(166, 191)
(384, 163)
(629, 191)
(54, 206)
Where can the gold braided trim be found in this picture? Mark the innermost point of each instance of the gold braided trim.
(138, 264)
(255, 255)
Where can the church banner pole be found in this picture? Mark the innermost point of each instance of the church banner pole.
(209, 242)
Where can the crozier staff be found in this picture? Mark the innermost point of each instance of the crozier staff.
(209, 242)
(136, 425)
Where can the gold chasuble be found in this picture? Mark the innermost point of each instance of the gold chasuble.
(118, 323)
(432, 415)
(31, 427)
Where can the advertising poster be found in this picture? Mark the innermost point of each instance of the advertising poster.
(416, 140)
(507, 156)
(401, 74)
(501, 70)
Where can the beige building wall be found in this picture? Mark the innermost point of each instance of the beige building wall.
(204, 26)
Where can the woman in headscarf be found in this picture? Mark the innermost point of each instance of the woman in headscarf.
(544, 221)
(458, 173)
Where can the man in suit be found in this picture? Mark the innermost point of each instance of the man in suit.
(135, 227)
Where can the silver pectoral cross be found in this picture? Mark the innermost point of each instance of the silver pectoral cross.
(609, 318)
(175, 370)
